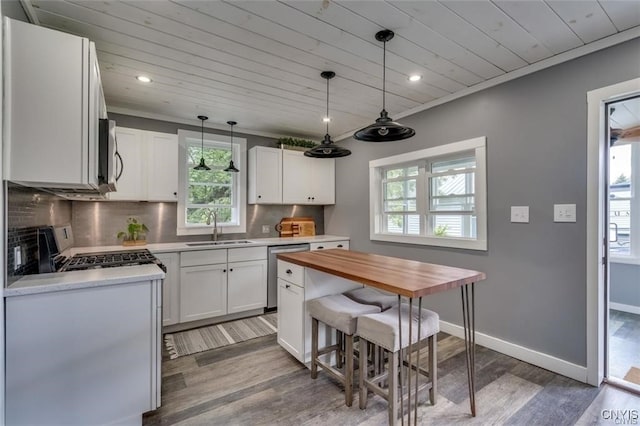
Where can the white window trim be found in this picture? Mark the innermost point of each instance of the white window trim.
(240, 160)
(375, 195)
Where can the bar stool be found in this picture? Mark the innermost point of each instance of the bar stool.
(382, 330)
(341, 313)
(371, 296)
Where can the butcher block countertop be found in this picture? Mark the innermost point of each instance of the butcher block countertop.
(408, 278)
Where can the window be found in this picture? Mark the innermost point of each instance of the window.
(624, 161)
(435, 196)
(203, 193)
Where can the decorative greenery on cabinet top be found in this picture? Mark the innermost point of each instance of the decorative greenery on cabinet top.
(303, 143)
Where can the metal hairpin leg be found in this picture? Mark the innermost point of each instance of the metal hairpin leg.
(469, 321)
(401, 363)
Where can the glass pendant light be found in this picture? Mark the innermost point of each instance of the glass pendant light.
(231, 167)
(327, 149)
(202, 165)
(384, 129)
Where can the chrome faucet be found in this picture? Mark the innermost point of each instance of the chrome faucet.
(214, 213)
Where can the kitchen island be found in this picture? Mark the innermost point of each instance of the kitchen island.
(408, 278)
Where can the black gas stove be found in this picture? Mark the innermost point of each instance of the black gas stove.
(110, 259)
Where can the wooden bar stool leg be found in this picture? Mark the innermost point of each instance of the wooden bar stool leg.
(314, 348)
(348, 371)
(393, 388)
(364, 373)
(433, 368)
(340, 344)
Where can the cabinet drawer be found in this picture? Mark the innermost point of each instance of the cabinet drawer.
(247, 253)
(329, 245)
(203, 257)
(291, 272)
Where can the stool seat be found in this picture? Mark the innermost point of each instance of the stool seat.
(382, 328)
(371, 296)
(339, 312)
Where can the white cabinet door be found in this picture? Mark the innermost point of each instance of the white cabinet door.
(323, 181)
(162, 166)
(203, 292)
(170, 288)
(307, 180)
(265, 175)
(296, 178)
(291, 318)
(47, 89)
(247, 286)
(132, 184)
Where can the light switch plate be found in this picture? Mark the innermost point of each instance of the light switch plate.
(564, 212)
(265, 229)
(520, 214)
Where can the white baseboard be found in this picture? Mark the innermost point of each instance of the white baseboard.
(625, 308)
(548, 362)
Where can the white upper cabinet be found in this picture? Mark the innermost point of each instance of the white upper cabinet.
(51, 86)
(150, 171)
(162, 167)
(307, 180)
(280, 176)
(265, 175)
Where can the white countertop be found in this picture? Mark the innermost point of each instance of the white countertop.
(60, 281)
(184, 246)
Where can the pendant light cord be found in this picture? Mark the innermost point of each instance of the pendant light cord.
(232, 142)
(201, 138)
(328, 106)
(384, 73)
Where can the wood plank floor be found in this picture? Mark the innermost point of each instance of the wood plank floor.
(258, 383)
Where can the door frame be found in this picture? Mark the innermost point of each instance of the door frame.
(596, 238)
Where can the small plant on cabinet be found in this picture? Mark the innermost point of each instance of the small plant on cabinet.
(135, 235)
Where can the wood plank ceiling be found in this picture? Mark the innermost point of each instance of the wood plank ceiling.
(259, 62)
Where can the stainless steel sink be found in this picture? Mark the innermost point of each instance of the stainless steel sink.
(219, 243)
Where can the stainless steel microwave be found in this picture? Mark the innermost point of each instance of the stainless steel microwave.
(110, 164)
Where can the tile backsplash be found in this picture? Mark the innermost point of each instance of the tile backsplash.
(28, 209)
(98, 223)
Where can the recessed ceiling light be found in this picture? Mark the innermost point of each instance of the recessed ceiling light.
(143, 79)
(326, 119)
(415, 77)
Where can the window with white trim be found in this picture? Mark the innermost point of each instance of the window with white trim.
(435, 196)
(203, 193)
(624, 220)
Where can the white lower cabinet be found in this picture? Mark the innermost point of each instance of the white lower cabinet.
(219, 282)
(296, 286)
(329, 245)
(246, 286)
(83, 356)
(203, 292)
(170, 288)
(291, 318)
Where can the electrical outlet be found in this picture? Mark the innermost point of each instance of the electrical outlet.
(265, 229)
(520, 214)
(17, 258)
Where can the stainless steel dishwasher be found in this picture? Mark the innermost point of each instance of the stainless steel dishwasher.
(272, 270)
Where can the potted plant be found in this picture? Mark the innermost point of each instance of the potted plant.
(295, 144)
(135, 235)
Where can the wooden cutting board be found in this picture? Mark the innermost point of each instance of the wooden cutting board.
(296, 227)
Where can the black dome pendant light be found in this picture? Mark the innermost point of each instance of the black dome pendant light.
(202, 165)
(327, 149)
(231, 167)
(384, 129)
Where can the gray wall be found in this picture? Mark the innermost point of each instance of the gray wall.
(97, 223)
(536, 127)
(624, 284)
(13, 9)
